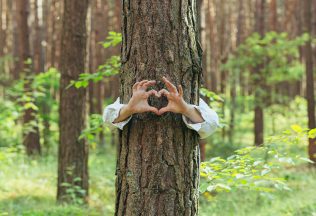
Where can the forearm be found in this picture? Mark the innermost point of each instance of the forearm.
(124, 113)
(191, 113)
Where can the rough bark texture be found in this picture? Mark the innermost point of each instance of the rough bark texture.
(309, 78)
(73, 153)
(158, 159)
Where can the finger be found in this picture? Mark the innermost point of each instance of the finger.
(163, 92)
(135, 86)
(152, 92)
(153, 109)
(149, 83)
(169, 85)
(180, 90)
(164, 110)
(141, 83)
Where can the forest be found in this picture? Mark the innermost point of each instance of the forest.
(62, 62)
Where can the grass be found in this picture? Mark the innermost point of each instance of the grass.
(28, 188)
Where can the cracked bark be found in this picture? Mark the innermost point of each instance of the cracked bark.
(158, 157)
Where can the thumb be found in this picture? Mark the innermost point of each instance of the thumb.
(152, 92)
(153, 109)
(163, 110)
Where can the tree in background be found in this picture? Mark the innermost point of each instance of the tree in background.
(158, 160)
(310, 96)
(73, 152)
(31, 139)
(259, 80)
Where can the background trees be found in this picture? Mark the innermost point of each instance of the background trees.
(73, 152)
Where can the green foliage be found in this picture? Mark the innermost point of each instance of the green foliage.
(92, 132)
(275, 55)
(247, 169)
(28, 187)
(212, 96)
(110, 68)
(39, 96)
(112, 40)
(74, 192)
(255, 168)
(9, 132)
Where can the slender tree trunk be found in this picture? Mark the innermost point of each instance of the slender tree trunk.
(31, 139)
(213, 52)
(73, 152)
(309, 78)
(233, 94)
(158, 160)
(259, 80)
(273, 16)
(38, 54)
(2, 33)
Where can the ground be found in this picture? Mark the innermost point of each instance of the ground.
(28, 188)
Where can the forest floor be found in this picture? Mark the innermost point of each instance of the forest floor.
(28, 188)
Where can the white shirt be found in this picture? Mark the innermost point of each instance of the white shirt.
(204, 129)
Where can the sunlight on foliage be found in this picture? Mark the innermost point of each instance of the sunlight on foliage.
(254, 168)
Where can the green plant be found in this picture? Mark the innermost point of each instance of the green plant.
(255, 168)
(74, 192)
(109, 68)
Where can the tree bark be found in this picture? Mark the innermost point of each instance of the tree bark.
(2, 33)
(31, 139)
(38, 51)
(273, 15)
(213, 51)
(158, 159)
(309, 78)
(259, 80)
(73, 153)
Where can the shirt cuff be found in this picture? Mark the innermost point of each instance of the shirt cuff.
(190, 124)
(111, 113)
(210, 123)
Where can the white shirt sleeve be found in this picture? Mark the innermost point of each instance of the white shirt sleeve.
(204, 129)
(211, 120)
(111, 112)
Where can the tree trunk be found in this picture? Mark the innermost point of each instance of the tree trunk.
(309, 78)
(259, 80)
(234, 76)
(31, 139)
(213, 51)
(273, 15)
(158, 159)
(2, 33)
(38, 54)
(73, 153)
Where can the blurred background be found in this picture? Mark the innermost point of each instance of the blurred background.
(258, 74)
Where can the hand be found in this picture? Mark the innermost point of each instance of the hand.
(139, 101)
(176, 103)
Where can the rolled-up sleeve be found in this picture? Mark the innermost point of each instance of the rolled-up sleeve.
(111, 112)
(211, 120)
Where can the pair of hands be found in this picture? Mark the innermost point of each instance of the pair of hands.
(139, 101)
(176, 104)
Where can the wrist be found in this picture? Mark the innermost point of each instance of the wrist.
(127, 110)
(187, 109)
